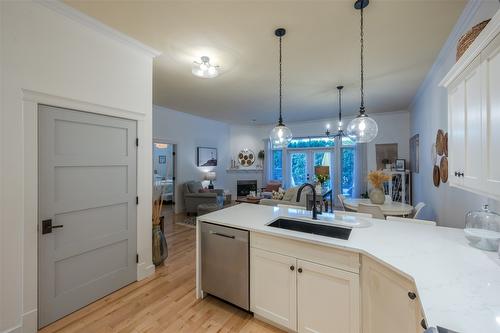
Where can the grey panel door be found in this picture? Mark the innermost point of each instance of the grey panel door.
(87, 185)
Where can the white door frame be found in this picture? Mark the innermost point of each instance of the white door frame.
(30, 102)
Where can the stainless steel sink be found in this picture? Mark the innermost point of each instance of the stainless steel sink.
(312, 228)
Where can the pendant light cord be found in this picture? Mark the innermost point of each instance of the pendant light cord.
(280, 122)
(340, 106)
(362, 40)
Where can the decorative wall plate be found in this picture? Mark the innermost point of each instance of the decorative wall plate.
(436, 178)
(446, 145)
(440, 143)
(443, 166)
(246, 157)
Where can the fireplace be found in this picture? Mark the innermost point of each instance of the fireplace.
(243, 187)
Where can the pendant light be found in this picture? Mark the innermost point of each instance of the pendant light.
(362, 129)
(280, 135)
(340, 132)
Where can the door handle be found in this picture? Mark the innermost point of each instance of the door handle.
(47, 226)
(222, 235)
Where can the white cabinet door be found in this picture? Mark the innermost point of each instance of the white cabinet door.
(273, 287)
(456, 144)
(387, 305)
(472, 171)
(491, 116)
(327, 299)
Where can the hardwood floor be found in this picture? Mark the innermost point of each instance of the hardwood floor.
(165, 302)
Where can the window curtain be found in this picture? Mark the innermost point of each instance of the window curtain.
(268, 159)
(360, 170)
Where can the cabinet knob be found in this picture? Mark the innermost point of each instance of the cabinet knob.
(300, 270)
(292, 268)
(456, 174)
(460, 174)
(412, 295)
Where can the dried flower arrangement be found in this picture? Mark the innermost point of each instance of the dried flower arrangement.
(377, 178)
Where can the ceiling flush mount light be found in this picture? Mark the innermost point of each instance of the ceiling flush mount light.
(205, 69)
(362, 129)
(280, 135)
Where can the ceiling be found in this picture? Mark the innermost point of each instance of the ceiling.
(320, 51)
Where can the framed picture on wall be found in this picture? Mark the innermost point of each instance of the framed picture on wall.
(206, 156)
(400, 165)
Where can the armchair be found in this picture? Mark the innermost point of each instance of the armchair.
(193, 197)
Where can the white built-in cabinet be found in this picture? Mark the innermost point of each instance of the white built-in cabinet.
(289, 289)
(390, 302)
(474, 115)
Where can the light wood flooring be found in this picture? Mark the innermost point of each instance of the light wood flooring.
(164, 302)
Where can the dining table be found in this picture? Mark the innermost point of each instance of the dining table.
(389, 208)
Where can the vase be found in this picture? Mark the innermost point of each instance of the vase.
(160, 249)
(377, 196)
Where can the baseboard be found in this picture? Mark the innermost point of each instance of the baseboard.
(30, 321)
(144, 270)
(16, 329)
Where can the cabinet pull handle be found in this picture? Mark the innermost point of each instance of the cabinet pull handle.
(412, 295)
(299, 270)
(222, 235)
(292, 268)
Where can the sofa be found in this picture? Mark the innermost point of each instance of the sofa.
(194, 196)
(289, 198)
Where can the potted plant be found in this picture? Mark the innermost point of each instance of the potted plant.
(377, 179)
(160, 249)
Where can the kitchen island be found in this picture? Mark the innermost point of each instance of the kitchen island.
(447, 282)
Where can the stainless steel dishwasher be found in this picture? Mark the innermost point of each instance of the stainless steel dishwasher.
(225, 263)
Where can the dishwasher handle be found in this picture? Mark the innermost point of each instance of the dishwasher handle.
(222, 235)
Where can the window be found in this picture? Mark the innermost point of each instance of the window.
(277, 165)
(295, 165)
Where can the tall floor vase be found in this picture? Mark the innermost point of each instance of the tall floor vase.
(160, 249)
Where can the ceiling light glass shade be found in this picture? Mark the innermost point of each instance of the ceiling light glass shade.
(362, 129)
(204, 69)
(280, 136)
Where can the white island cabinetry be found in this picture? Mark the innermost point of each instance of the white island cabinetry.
(299, 287)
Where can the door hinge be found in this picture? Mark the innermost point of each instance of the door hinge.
(173, 153)
(136, 200)
(137, 258)
(137, 142)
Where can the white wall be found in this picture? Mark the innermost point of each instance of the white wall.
(69, 61)
(189, 132)
(394, 127)
(428, 114)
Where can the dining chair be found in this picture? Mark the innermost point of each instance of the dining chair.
(374, 210)
(341, 200)
(344, 213)
(417, 221)
(418, 210)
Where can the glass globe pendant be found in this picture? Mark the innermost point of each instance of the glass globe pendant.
(280, 135)
(362, 129)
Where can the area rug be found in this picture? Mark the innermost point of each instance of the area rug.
(189, 221)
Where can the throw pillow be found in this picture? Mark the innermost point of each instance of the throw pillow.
(278, 195)
(204, 190)
(290, 194)
(271, 187)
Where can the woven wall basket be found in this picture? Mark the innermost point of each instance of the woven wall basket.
(470, 36)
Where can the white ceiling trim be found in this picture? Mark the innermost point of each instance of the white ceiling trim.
(88, 21)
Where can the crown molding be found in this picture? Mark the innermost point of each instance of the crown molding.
(463, 21)
(97, 26)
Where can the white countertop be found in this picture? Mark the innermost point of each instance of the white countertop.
(458, 285)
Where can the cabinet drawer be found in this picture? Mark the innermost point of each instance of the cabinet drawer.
(346, 260)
